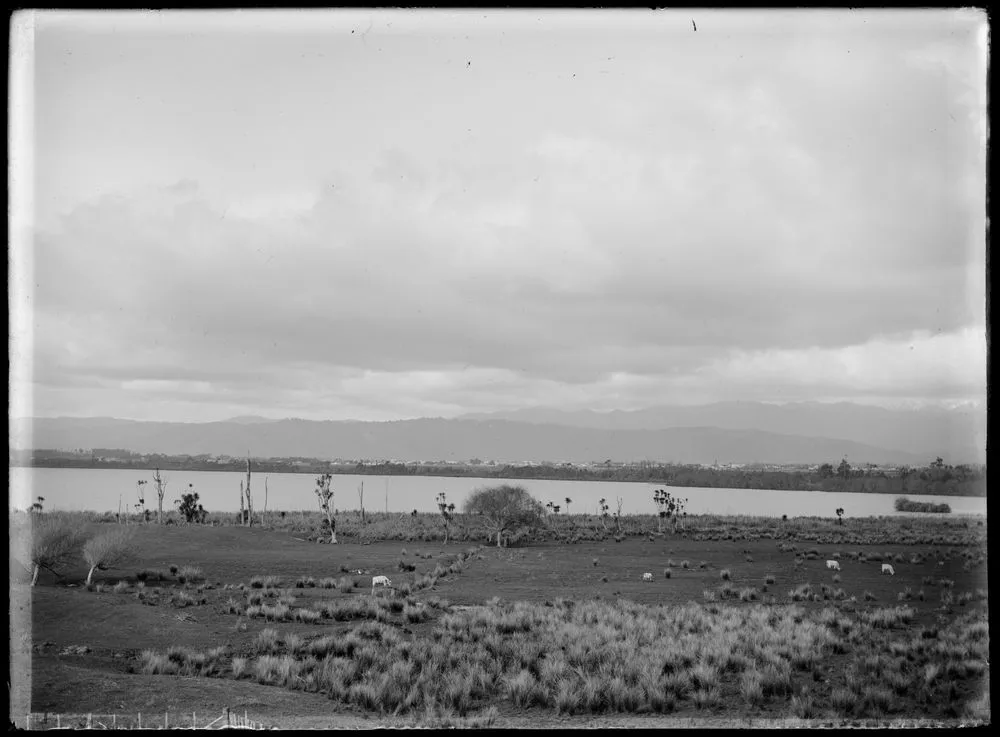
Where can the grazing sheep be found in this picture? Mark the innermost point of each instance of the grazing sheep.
(833, 565)
(647, 576)
(380, 581)
(886, 568)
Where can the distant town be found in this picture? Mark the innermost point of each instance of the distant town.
(936, 478)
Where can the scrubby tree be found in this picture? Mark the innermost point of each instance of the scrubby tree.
(55, 541)
(505, 508)
(37, 506)
(604, 512)
(568, 502)
(840, 515)
(668, 506)
(140, 508)
(844, 469)
(447, 512)
(113, 549)
(825, 471)
(189, 507)
(324, 493)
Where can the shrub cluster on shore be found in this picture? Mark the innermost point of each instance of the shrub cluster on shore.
(902, 504)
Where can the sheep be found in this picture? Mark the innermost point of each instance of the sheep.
(380, 581)
(833, 565)
(647, 576)
(886, 568)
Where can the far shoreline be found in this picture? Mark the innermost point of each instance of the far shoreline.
(753, 478)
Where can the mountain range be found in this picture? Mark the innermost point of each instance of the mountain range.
(730, 432)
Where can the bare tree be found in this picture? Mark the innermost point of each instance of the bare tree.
(264, 516)
(361, 498)
(161, 489)
(55, 541)
(249, 520)
(112, 549)
(325, 495)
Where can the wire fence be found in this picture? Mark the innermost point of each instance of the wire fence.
(166, 720)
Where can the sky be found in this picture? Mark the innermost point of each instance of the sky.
(381, 215)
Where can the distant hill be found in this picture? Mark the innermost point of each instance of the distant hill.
(453, 439)
(250, 420)
(958, 436)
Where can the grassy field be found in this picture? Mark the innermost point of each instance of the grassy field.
(742, 623)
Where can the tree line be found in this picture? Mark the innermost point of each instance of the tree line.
(937, 477)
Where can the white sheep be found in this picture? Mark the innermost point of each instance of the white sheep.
(380, 581)
(647, 576)
(886, 568)
(833, 565)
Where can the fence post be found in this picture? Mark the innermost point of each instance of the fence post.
(138, 715)
(194, 720)
(114, 721)
(166, 720)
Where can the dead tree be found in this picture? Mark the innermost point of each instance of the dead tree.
(249, 520)
(161, 489)
(263, 520)
(361, 498)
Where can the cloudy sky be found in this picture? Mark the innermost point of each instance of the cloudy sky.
(381, 215)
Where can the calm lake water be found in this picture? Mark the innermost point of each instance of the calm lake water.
(99, 490)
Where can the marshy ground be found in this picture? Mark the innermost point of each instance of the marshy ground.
(742, 620)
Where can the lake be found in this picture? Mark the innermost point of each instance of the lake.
(100, 489)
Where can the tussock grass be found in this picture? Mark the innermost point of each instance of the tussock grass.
(183, 599)
(190, 574)
(592, 657)
(265, 582)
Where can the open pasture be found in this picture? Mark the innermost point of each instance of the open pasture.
(549, 633)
